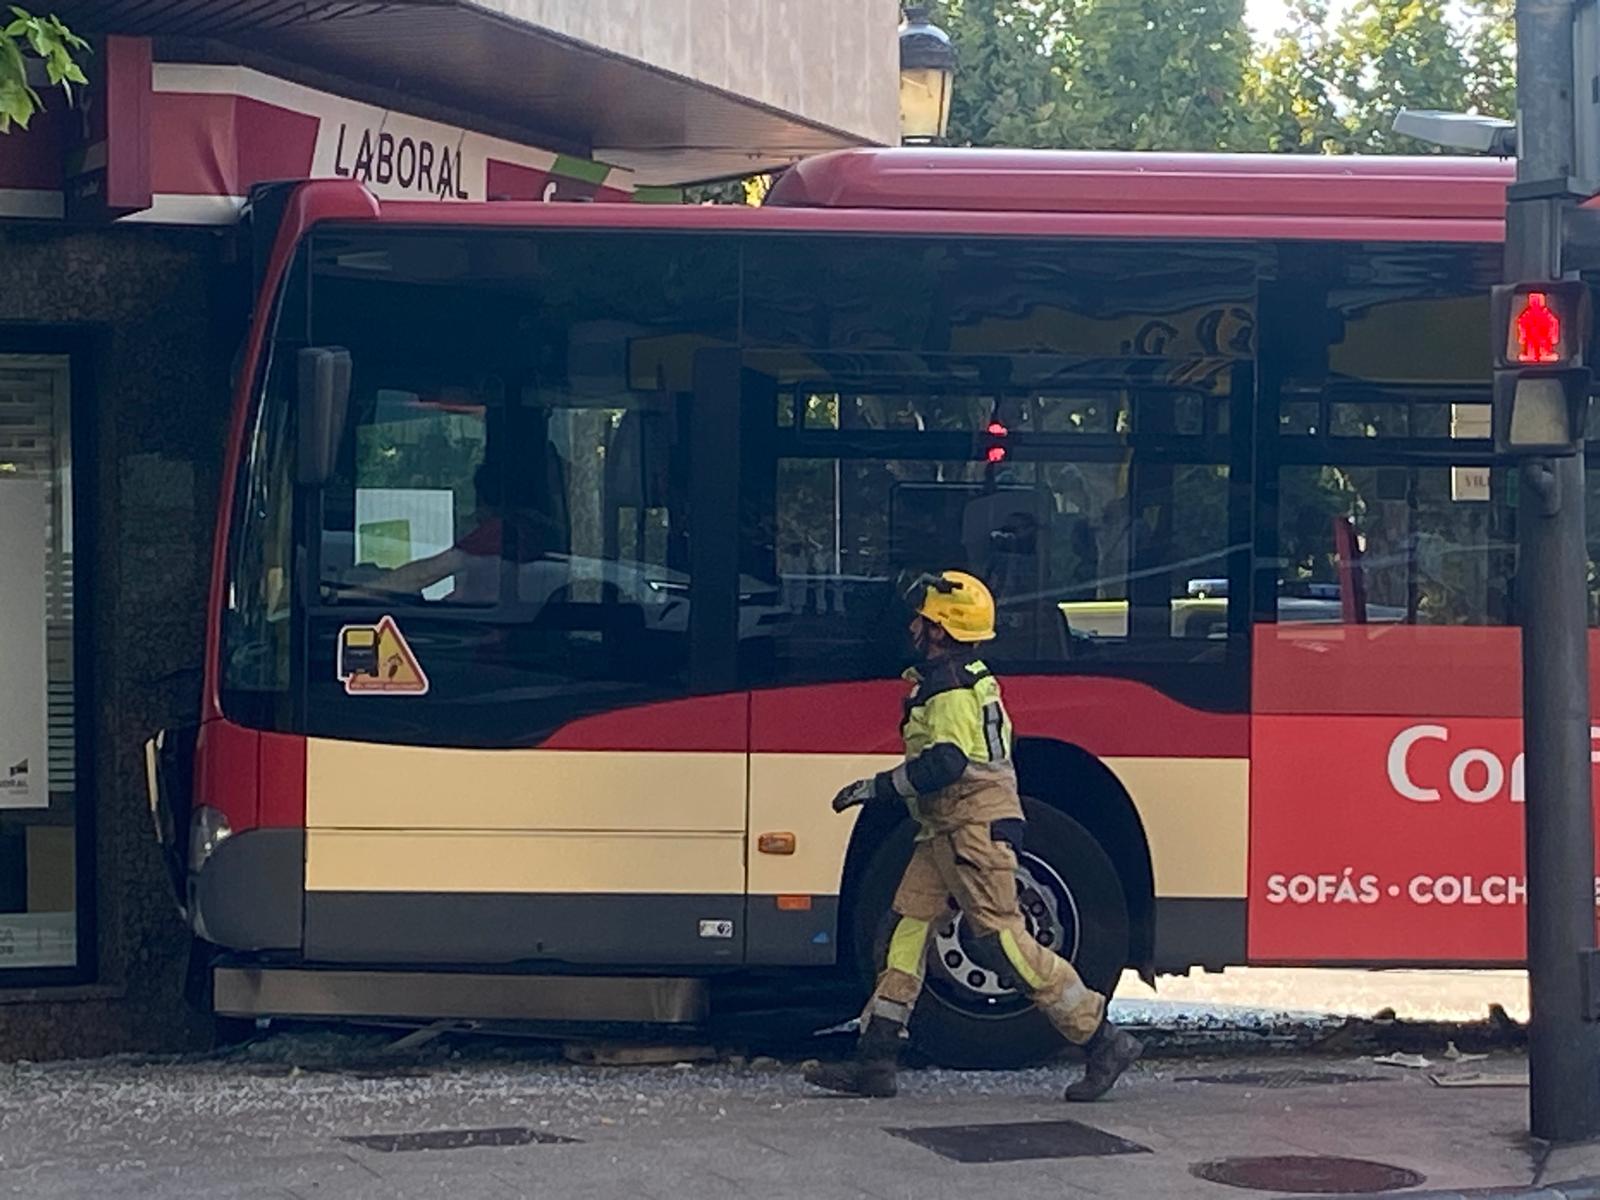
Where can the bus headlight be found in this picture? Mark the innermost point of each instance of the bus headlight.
(208, 829)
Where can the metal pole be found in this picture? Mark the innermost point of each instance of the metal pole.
(1563, 1044)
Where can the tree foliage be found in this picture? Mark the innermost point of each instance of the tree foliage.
(1187, 75)
(27, 37)
(1290, 93)
(1160, 74)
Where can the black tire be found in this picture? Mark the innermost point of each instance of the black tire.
(957, 1027)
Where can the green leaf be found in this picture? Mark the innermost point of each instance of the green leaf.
(16, 103)
(50, 41)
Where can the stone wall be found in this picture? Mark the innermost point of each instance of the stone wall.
(831, 62)
(156, 315)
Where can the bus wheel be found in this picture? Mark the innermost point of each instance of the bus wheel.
(968, 1016)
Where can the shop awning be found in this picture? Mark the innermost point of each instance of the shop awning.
(523, 78)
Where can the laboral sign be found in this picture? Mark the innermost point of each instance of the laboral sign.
(185, 142)
(259, 127)
(1388, 790)
(414, 164)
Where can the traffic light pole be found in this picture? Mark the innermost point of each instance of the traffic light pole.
(1551, 594)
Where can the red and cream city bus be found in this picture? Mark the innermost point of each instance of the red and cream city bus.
(554, 581)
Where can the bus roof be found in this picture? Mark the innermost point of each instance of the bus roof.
(1072, 181)
(1034, 193)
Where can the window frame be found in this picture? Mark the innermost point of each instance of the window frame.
(1217, 686)
(1282, 342)
(80, 348)
(711, 646)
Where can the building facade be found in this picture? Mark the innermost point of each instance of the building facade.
(127, 288)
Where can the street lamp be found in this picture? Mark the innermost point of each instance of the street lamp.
(927, 64)
(1472, 132)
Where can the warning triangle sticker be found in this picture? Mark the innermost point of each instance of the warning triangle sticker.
(377, 660)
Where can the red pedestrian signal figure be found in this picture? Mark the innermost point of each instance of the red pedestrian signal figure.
(1538, 331)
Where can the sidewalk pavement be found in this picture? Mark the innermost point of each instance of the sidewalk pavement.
(238, 1128)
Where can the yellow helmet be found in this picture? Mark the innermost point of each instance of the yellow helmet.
(958, 603)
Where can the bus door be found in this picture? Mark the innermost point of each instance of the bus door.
(521, 749)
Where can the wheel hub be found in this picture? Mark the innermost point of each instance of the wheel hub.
(1051, 916)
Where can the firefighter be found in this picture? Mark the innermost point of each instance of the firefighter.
(959, 784)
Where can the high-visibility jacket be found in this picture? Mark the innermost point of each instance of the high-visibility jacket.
(958, 739)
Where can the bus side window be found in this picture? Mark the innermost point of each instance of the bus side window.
(1385, 545)
(1089, 561)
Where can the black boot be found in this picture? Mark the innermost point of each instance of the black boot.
(872, 1072)
(1110, 1052)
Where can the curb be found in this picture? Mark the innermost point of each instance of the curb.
(1587, 1188)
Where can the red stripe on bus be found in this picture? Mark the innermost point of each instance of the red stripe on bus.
(1121, 718)
(225, 772)
(1107, 717)
(283, 780)
(709, 724)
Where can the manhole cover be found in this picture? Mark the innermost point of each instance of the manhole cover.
(1018, 1141)
(1284, 1079)
(456, 1139)
(1308, 1174)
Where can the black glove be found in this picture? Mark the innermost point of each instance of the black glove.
(859, 792)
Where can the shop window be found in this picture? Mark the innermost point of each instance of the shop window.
(38, 748)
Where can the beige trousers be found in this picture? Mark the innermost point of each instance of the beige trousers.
(968, 864)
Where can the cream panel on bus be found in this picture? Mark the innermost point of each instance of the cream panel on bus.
(1195, 812)
(355, 785)
(511, 862)
(1196, 816)
(792, 793)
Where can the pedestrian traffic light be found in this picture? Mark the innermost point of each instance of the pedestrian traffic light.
(1540, 332)
(1544, 324)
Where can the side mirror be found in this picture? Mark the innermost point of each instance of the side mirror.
(324, 401)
